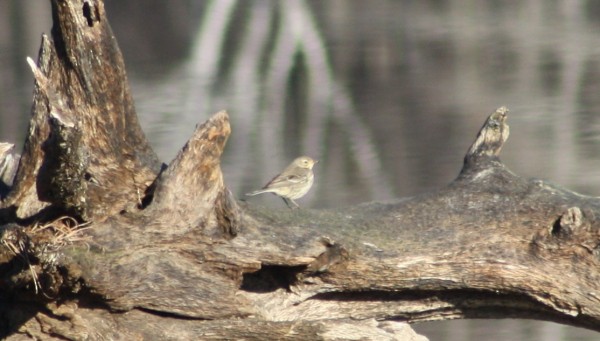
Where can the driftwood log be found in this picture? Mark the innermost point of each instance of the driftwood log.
(101, 241)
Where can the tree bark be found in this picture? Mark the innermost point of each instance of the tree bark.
(99, 241)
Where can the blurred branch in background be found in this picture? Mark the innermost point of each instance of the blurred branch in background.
(21, 24)
(405, 71)
(254, 76)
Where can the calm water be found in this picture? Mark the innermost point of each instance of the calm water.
(387, 94)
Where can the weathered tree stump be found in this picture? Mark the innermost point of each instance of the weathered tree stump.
(100, 241)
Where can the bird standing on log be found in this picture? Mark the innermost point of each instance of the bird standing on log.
(293, 183)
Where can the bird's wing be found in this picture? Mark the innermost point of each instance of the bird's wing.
(284, 180)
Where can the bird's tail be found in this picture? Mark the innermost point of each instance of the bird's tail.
(260, 191)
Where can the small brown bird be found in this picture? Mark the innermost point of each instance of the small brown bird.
(293, 183)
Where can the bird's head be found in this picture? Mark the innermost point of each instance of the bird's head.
(305, 162)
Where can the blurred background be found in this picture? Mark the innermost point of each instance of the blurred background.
(387, 94)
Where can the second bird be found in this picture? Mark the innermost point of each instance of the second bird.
(293, 183)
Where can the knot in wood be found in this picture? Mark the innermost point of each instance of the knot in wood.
(334, 254)
(568, 222)
(573, 218)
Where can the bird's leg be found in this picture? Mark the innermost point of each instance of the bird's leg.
(295, 204)
(290, 202)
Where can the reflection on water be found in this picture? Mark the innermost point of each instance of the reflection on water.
(387, 94)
